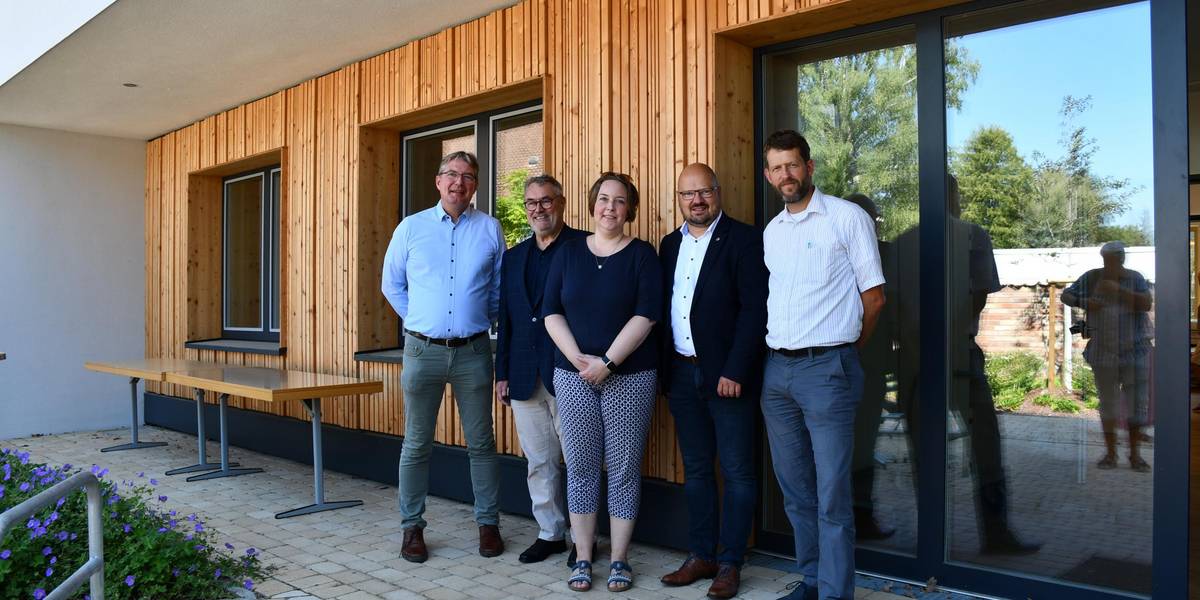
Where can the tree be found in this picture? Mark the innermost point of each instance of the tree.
(858, 113)
(995, 184)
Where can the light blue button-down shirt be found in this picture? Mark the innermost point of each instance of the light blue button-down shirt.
(442, 277)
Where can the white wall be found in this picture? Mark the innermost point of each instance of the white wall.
(72, 277)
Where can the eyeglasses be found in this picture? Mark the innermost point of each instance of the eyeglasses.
(544, 202)
(706, 193)
(464, 177)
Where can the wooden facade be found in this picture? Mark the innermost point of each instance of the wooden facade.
(640, 86)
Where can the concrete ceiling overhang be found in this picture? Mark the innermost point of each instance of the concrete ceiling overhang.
(193, 58)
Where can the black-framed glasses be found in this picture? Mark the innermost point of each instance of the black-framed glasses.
(464, 177)
(545, 202)
(706, 193)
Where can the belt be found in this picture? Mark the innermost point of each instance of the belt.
(695, 360)
(807, 352)
(447, 342)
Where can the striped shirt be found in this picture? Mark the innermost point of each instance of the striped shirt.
(442, 277)
(820, 261)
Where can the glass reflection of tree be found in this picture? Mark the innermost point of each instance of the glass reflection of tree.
(859, 113)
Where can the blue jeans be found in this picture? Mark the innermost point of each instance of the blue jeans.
(427, 370)
(710, 427)
(809, 405)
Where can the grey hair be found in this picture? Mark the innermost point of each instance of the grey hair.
(462, 155)
(545, 180)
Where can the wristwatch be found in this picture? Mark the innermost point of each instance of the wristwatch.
(609, 364)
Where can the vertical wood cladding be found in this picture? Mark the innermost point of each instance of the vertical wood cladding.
(627, 85)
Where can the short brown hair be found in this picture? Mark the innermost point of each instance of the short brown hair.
(787, 139)
(462, 155)
(631, 192)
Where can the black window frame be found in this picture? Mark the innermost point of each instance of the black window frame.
(1172, 299)
(269, 249)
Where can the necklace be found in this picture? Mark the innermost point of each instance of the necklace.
(599, 262)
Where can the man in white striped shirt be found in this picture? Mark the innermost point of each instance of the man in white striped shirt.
(825, 293)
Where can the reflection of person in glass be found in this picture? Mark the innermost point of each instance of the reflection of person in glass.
(1117, 326)
(971, 276)
(878, 359)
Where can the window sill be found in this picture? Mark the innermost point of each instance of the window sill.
(393, 356)
(244, 346)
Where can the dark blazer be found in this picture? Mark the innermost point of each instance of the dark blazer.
(729, 309)
(524, 351)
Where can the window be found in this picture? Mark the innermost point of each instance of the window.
(512, 152)
(250, 282)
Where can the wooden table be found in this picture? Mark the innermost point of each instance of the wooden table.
(149, 369)
(277, 385)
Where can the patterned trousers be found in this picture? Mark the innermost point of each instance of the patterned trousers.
(605, 426)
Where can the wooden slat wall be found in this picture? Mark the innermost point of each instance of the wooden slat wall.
(629, 85)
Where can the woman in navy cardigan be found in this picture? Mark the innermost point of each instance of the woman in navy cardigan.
(603, 296)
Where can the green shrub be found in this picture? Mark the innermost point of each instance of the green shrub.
(1057, 403)
(510, 207)
(149, 550)
(1083, 381)
(1012, 376)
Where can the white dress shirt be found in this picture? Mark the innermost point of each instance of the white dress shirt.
(820, 260)
(683, 290)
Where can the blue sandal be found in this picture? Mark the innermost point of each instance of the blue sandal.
(620, 577)
(581, 577)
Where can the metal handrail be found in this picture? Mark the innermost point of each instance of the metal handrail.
(94, 567)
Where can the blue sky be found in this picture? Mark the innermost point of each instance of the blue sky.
(1026, 70)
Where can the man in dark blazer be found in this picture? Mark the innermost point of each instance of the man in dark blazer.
(525, 360)
(711, 372)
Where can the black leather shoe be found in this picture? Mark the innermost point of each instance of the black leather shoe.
(542, 549)
(572, 557)
(800, 591)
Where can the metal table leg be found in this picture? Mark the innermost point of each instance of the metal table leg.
(134, 444)
(202, 464)
(224, 471)
(319, 504)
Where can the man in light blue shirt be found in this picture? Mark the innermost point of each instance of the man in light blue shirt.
(441, 274)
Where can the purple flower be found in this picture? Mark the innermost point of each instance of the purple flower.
(248, 584)
(162, 529)
(199, 528)
(24, 486)
(60, 502)
(53, 560)
(162, 498)
(127, 528)
(53, 517)
(199, 547)
(228, 546)
(141, 473)
(153, 482)
(172, 512)
(23, 457)
(67, 467)
(175, 573)
(47, 550)
(251, 551)
(188, 537)
(217, 574)
(38, 594)
(1, 491)
(73, 536)
(7, 471)
(102, 473)
(49, 571)
(129, 580)
(4, 554)
(32, 522)
(61, 536)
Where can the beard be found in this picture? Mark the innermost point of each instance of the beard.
(803, 188)
(701, 221)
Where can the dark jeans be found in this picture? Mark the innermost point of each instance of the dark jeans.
(710, 427)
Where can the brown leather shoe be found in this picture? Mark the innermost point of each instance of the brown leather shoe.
(725, 584)
(413, 548)
(692, 570)
(490, 543)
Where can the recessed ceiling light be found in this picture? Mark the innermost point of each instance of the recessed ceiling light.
(128, 84)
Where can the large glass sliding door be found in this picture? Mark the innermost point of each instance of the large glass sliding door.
(1018, 423)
